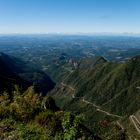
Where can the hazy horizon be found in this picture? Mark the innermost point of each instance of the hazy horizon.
(73, 33)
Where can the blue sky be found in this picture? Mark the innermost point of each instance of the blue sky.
(70, 16)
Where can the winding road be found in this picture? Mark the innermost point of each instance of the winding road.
(133, 118)
(135, 122)
(138, 87)
(98, 108)
(67, 69)
(123, 129)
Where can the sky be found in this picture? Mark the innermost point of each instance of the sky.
(69, 16)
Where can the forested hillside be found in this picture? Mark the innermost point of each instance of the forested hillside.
(26, 113)
(80, 80)
(104, 91)
(31, 116)
(15, 71)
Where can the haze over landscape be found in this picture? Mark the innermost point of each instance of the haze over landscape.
(69, 70)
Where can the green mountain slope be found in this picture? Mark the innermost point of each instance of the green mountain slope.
(103, 91)
(29, 115)
(8, 78)
(18, 69)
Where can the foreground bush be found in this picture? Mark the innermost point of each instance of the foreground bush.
(33, 117)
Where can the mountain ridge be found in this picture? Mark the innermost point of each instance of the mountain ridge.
(112, 86)
(26, 74)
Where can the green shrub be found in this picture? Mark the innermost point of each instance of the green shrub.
(44, 118)
(71, 126)
(4, 105)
